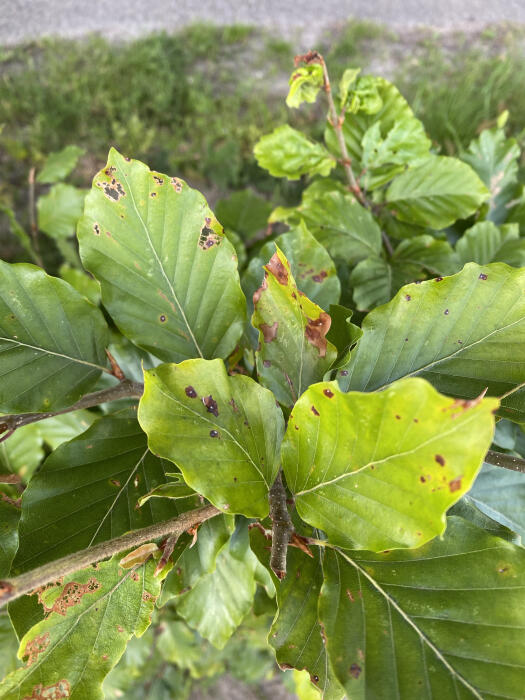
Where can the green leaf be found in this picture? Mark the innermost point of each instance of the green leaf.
(173, 489)
(400, 138)
(296, 634)
(495, 159)
(193, 563)
(243, 212)
(436, 193)
(443, 621)
(58, 429)
(217, 603)
(293, 349)
(346, 229)
(288, 153)
(22, 452)
(52, 341)
(17, 231)
(463, 333)
(384, 467)
(59, 164)
(313, 269)
(347, 80)
(224, 433)
(305, 83)
(84, 634)
(168, 276)
(82, 282)
(108, 469)
(485, 242)
(9, 517)
(376, 280)
(500, 494)
(9, 646)
(59, 210)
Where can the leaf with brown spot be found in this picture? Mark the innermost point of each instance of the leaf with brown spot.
(294, 351)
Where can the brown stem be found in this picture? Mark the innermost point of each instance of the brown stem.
(13, 588)
(282, 528)
(498, 459)
(32, 217)
(126, 389)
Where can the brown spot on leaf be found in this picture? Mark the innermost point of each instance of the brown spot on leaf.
(208, 238)
(314, 410)
(214, 433)
(50, 692)
(422, 479)
(316, 330)
(233, 405)
(153, 195)
(446, 312)
(454, 485)
(96, 229)
(350, 595)
(158, 180)
(267, 363)
(177, 184)
(258, 292)
(211, 405)
(440, 460)
(35, 647)
(439, 279)
(355, 670)
(408, 297)
(113, 189)
(398, 417)
(269, 332)
(71, 595)
(328, 392)
(320, 277)
(190, 392)
(162, 318)
(277, 269)
(483, 276)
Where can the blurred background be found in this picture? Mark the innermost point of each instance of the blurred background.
(189, 87)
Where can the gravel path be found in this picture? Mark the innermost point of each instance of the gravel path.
(22, 20)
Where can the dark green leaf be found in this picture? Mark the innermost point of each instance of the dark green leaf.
(243, 212)
(59, 210)
(500, 493)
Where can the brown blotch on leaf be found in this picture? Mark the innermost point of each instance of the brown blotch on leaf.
(233, 405)
(422, 479)
(439, 279)
(162, 318)
(214, 433)
(314, 678)
(71, 595)
(56, 691)
(153, 194)
(454, 485)
(350, 595)
(208, 238)
(35, 647)
(177, 184)
(408, 297)
(314, 410)
(113, 189)
(398, 417)
(211, 405)
(440, 460)
(355, 670)
(96, 229)
(277, 269)
(258, 292)
(316, 330)
(328, 392)
(483, 276)
(158, 180)
(190, 392)
(269, 332)
(320, 277)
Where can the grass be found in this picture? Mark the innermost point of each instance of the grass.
(193, 104)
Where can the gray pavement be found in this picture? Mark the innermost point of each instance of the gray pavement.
(22, 20)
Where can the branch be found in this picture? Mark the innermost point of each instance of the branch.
(13, 588)
(282, 527)
(125, 390)
(498, 459)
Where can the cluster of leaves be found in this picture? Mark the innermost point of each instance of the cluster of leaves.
(403, 575)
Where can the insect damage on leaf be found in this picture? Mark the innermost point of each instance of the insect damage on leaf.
(56, 691)
(112, 189)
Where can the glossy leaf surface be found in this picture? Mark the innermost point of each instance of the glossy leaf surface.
(380, 470)
(443, 621)
(223, 432)
(485, 243)
(463, 333)
(168, 275)
(52, 341)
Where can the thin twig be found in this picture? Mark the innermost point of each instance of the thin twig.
(124, 390)
(32, 217)
(15, 587)
(498, 459)
(282, 527)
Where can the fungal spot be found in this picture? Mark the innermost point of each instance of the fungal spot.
(104, 657)
(35, 647)
(314, 678)
(501, 570)
(408, 297)
(214, 433)
(128, 160)
(113, 190)
(267, 363)
(398, 417)
(269, 332)
(328, 392)
(190, 392)
(50, 692)
(153, 195)
(483, 276)
(233, 405)
(440, 460)
(71, 595)
(460, 342)
(350, 595)
(446, 312)
(296, 427)
(211, 405)
(235, 478)
(109, 171)
(454, 485)
(162, 318)
(96, 229)
(422, 479)
(355, 670)
(416, 420)
(114, 482)
(344, 373)
(316, 330)
(120, 629)
(372, 467)
(277, 269)
(314, 410)
(439, 279)
(208, 238)
(320, 277)
(177, 184)
(158, 180)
